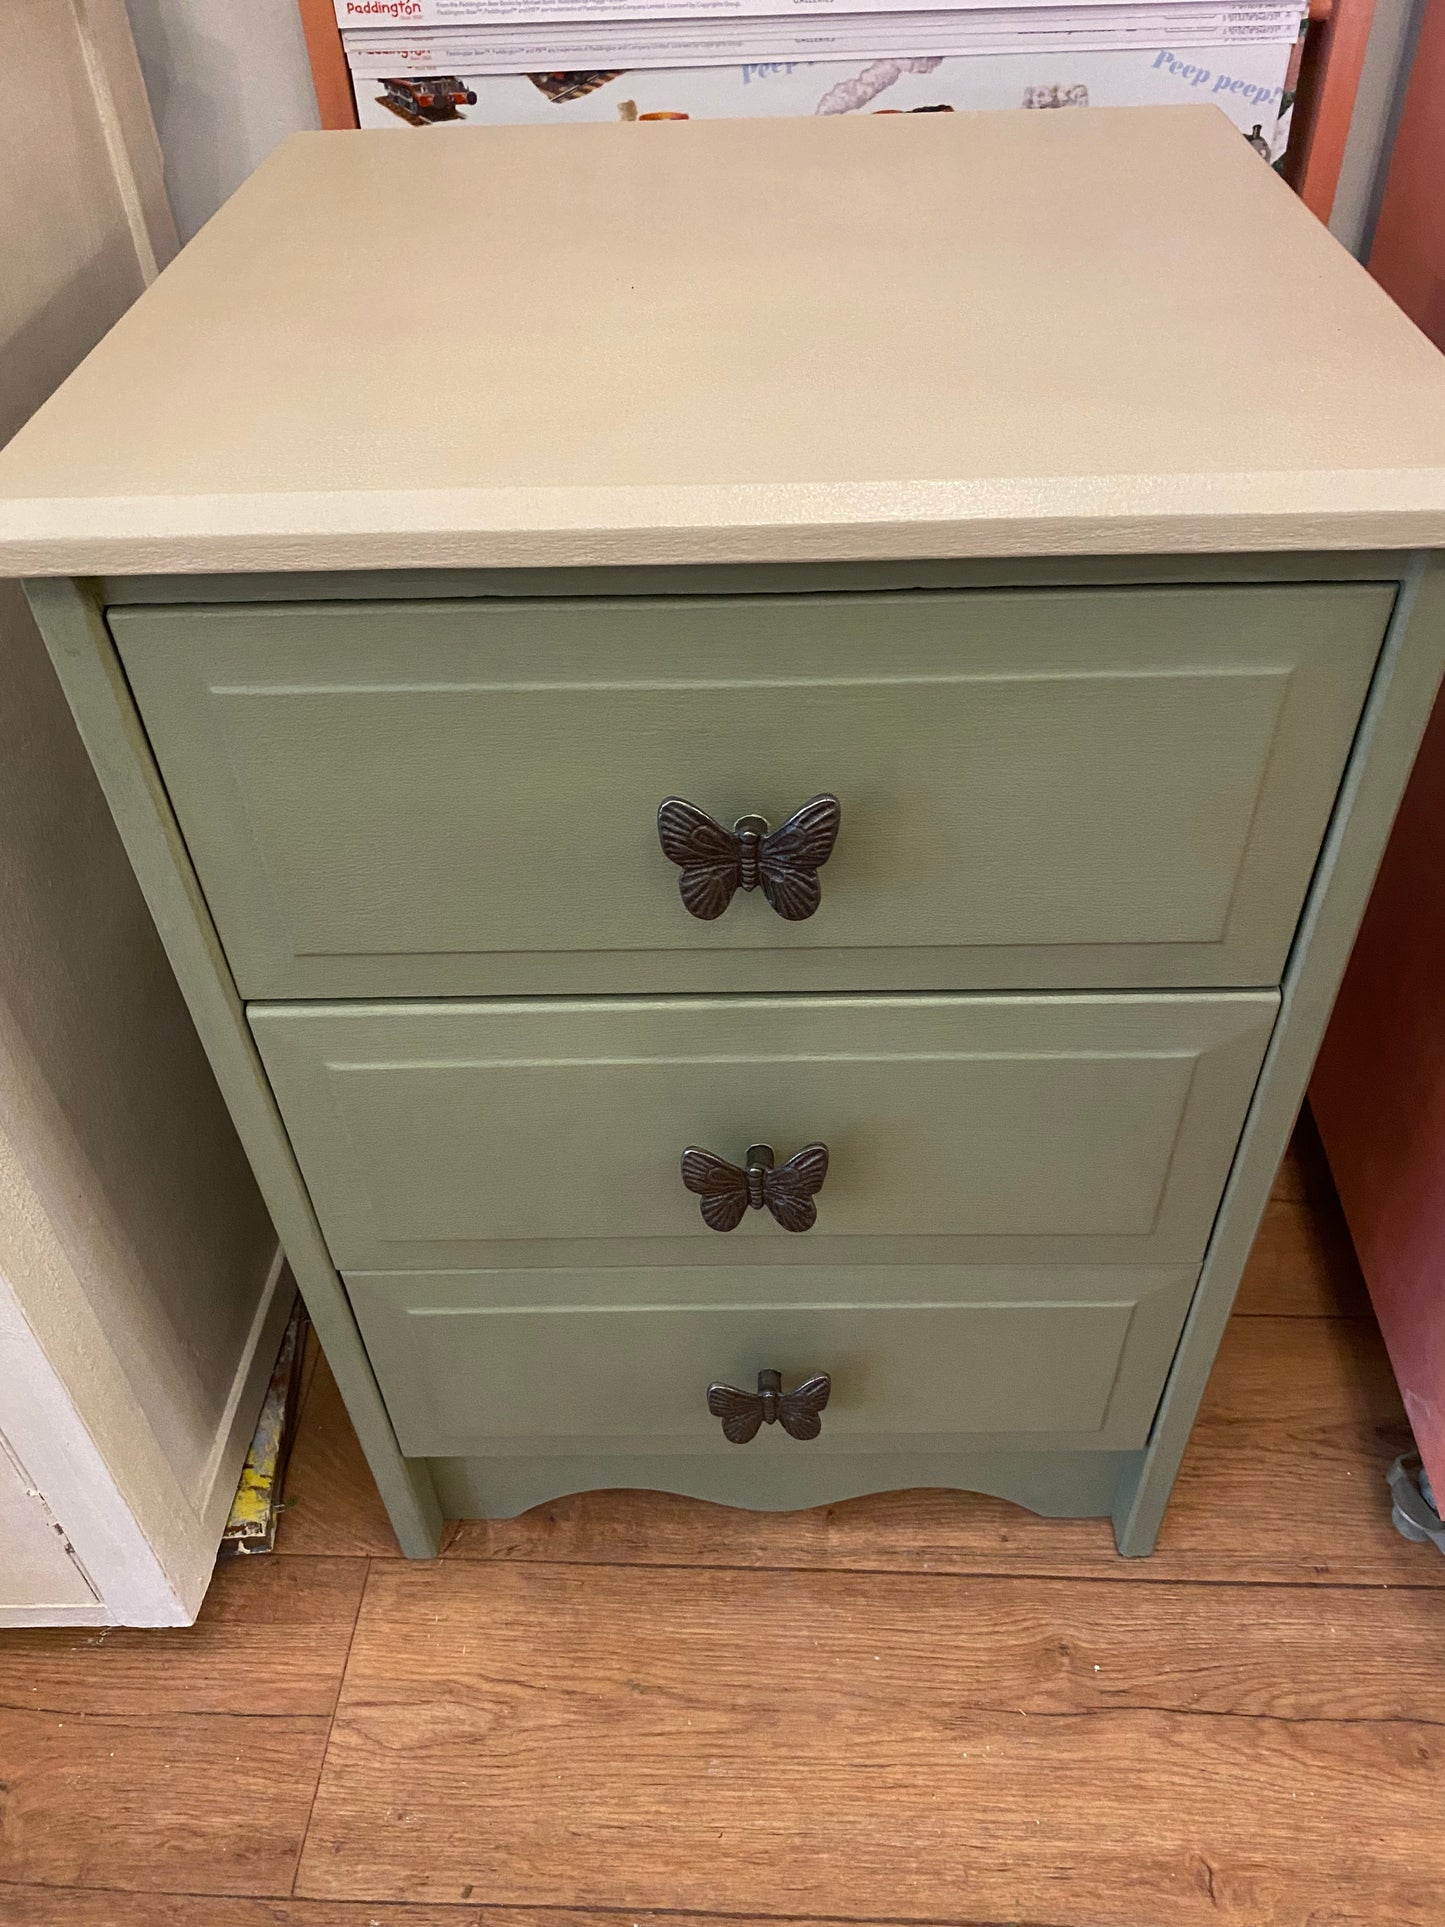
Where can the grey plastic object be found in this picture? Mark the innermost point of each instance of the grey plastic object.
(1415, 1514)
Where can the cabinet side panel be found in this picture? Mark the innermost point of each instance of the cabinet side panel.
(1394, 720)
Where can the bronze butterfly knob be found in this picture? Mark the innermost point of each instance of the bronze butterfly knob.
(742, 1413)
(716, 862)
(725, 1191)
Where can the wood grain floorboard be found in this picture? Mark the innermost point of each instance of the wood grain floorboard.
(310, 1359)
(271, 1637)
(852, 1745)
(32, 1906)
(84, 1907)
(1302, 1266)
(331, 1505)
(1304, 1172)
(183, 1759)
(651, 1917)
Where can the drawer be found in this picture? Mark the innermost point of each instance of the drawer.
(471, 1362)
(1063, 788)
(960, 1129)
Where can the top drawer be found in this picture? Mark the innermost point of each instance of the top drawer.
(1038, 788)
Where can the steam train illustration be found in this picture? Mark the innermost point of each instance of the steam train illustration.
(426, 99)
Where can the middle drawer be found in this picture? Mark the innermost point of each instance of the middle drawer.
(1016, 1130)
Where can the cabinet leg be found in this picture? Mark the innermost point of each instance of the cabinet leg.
(1137, 1513)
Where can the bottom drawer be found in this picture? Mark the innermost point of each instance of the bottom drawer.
(618, 1360)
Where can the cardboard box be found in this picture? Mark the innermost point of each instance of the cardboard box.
(576, 45)
(404, 16)
(1247, 82)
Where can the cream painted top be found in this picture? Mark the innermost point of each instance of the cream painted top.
(1109, 331)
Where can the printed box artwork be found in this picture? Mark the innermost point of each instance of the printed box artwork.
(1246, 81)
(576, 46)
(394, 15)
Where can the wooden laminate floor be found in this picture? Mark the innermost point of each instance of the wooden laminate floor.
(923, 1708)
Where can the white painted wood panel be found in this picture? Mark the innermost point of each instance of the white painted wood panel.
(141, 1296)
(39, 1564)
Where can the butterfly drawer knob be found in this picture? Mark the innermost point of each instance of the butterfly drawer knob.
(742, 1413)
(725, 1191)
(716, 862)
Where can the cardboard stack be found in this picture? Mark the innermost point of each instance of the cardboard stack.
(447, 63)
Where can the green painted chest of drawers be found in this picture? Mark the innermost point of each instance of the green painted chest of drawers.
(386, 701)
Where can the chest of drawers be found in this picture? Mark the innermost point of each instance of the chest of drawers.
(921, 476)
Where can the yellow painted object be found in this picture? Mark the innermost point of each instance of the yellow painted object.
(256, 1507)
